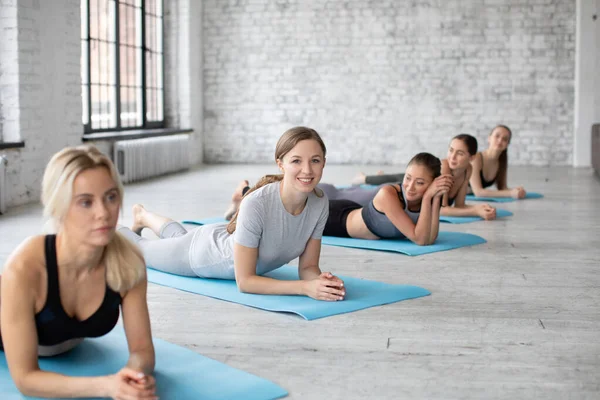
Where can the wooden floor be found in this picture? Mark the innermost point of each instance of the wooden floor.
(517, 317)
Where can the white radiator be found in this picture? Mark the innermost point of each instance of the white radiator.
(3, 185)
(144, 158)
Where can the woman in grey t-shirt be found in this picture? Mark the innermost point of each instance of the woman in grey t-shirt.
(281, 218)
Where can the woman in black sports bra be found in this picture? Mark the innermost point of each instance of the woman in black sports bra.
(58, 289)
(490, 166)
(406, 211)
(461, 152)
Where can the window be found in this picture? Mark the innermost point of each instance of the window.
(122, 64)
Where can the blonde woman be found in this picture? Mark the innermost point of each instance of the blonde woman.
(60, 288)
(279, 219)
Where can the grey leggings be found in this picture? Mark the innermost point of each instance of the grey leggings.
(356, 194)
(170, 253)
(380, 179)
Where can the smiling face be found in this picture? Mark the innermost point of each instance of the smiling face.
(303, 166)
(458, 154)
(94, 210)
(499, 138)
(416, 181)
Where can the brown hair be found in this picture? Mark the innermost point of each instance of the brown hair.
(469, 141)
(285, 144)
(429, 161)
(502, 160)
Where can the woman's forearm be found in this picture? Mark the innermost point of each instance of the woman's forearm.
(52, 385)
(435, 219)
(309, 273)
(423, 227)
(142, 360)
(263, 285)
(492, 193)
(465, 211)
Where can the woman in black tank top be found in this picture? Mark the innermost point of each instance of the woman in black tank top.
(410, 211)
(490, 166)
(461, 152)
(58, 289)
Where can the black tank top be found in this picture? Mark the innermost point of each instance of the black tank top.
(485, 183)
(52, 323)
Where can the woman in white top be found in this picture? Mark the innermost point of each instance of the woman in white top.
(281, 218)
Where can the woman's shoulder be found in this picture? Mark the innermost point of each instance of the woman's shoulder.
(266, 191)
(28, 260)
(477, 160)
(387, 193)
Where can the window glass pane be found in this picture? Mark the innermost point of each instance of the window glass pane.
(110, 83)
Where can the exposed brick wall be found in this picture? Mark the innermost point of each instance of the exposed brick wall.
(183, 67)
(382, 80)
(9, 71)
(45, 95)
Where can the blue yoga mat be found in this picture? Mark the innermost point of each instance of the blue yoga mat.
(529, 195)
(360, 293)
(464, 220)
(180, 373)
(445, 241)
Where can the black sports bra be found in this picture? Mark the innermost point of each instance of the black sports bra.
(485, 183)
(52, 323)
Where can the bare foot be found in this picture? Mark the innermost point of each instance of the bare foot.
(359, 179)
(138, 218)
(236, 199)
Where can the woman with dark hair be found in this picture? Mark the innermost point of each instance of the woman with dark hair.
(490, 166)
(461, 152)
(409, 210)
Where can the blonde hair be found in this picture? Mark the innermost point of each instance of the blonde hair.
(125, 265)
(285, 144)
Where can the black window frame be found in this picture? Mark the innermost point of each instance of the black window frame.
(87, 128)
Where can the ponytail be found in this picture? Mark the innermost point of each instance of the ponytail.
(265, 180)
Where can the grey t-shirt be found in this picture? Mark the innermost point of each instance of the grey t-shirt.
(262, 223)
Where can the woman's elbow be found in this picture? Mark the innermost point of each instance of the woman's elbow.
(242, 285)
(22, 384)
(421, 242)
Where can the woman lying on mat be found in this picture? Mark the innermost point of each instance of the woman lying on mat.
(461, 152)
(60, 288)
(279, 219)
(410, 210)
(490, 166)
(492, 163)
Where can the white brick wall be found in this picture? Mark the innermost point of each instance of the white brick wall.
(9, 70)
(382, 80)
(40, 82)
(183, 66)
(587, 80)
(44, 96)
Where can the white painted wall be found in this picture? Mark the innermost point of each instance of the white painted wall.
(587, 80)
(383, 80)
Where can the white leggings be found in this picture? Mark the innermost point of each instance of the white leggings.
(170, 253)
